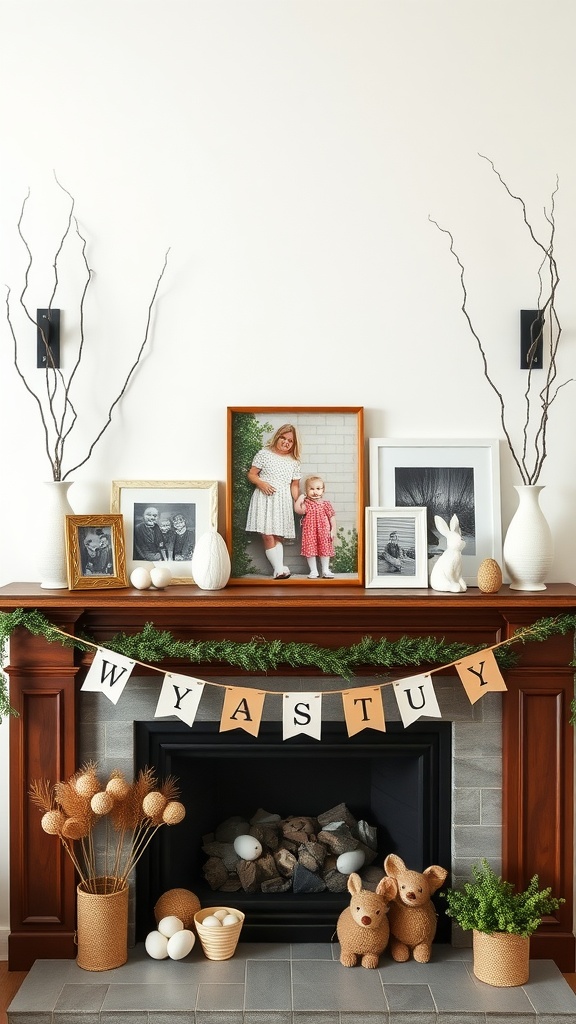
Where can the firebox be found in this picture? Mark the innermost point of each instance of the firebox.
(398, 781)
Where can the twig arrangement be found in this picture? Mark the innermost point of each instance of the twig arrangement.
(131, 812)
(55, 399)
(529, 453)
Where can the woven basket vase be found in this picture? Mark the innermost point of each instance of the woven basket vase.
(102, 925)
(501, 959)
(218, 943)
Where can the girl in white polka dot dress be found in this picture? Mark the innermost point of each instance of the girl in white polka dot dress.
(275, 473)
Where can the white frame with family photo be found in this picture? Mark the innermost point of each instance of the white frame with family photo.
(405, 567)
(195, 500)
(426, 462)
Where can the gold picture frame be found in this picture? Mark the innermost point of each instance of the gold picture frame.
(330, 448)
(95, 554)
(194, 501)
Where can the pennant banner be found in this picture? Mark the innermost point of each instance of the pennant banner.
(242, 710)
(108, 673)
(180, 695)
(363, 709)
(480, 674)
(301, 713)
(416, 697)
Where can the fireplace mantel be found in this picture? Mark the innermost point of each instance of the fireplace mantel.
(538, 788)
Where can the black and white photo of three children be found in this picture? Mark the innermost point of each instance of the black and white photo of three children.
(294, 487)
(164, 531)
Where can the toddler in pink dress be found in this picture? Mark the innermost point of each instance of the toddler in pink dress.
(318, 527)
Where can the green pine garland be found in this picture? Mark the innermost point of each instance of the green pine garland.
(259, 655)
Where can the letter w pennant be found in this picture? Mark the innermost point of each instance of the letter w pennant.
(480, 674)
(108, 674)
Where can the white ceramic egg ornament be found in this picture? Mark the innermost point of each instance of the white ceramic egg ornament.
(168, 926)
(210, 562)
(140, 578)
(180, 944)
(156, 945)
(212, 922)
(350, 861)
(229, 920)
(160, 577)
(247, 847)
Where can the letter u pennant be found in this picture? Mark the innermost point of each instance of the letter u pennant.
(108, 674)
(416, 697)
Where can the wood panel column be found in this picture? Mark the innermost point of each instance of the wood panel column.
(538, 784)
(42, 746)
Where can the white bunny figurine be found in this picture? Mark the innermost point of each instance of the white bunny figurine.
(446, 574)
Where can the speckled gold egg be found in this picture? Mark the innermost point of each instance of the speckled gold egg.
(489, 576)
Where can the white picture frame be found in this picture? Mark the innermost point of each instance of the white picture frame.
(447, 476)
(194, 501)
(396, 547)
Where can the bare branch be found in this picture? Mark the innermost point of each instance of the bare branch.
(56, 407)
(530, 457)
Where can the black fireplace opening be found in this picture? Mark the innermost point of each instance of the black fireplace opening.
(398, 781)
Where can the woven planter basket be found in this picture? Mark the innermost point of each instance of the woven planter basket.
(102, 925)
(501, 959)
(218, 943)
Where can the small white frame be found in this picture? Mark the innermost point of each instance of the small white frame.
(406, 528)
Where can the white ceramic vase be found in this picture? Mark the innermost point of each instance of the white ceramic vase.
(53, 508)
(528, 545)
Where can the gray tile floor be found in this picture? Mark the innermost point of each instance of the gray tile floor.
(282, 984)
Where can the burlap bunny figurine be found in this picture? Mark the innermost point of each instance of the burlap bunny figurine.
(412, 916)
(362, 927)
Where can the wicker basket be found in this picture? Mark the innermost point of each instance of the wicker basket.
(102, 925)
(218, 943)
(501, 959)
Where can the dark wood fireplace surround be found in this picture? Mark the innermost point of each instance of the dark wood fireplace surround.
(538, 786)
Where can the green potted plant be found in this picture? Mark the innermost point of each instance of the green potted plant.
(502, 921)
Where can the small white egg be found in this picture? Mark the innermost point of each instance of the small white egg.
(230, 919)
(160, 577)
(220, 914)
(156, 945)
(211, 922)
(168, 926)
(247, 847)
(180, 944)
(140, 578)
(350, 861)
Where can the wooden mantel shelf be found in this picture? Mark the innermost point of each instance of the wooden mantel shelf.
(538, 743)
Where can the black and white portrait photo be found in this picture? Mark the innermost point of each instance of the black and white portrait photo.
(396, 549)
(395, 545)
(164, 531)
(96, 550)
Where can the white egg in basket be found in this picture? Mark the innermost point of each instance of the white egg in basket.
(212, 922)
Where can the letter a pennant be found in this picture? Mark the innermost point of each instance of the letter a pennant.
(180, 695)
(363, 709)
(480, 674)
(301, 713)
(416, 697)
(108, 673)
(242, 710)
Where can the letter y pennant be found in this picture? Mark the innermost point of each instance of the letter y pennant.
(180, 695)
(480, 674)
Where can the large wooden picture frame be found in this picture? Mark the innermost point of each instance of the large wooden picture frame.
(330, 447)
(450, 476)
(95, 556)
(184, 510)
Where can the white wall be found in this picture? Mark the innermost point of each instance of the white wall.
(290, 153)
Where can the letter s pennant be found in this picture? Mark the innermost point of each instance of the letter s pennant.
(302, 713)
(108, 673)
(416, 697)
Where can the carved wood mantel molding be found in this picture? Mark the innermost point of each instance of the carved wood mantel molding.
(538, 787)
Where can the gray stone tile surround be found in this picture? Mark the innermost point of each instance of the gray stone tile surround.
(283, 984)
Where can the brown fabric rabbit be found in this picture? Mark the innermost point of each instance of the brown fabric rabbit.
(412, 913)
(362, 927)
